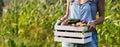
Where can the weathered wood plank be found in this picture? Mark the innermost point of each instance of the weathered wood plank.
(72, 40)
(72, 34)
(71, 28)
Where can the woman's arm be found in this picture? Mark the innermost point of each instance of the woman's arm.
(67, 8)
(101, 8)
(67, 11)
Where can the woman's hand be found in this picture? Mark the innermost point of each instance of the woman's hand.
(92, 26)
(63, 18)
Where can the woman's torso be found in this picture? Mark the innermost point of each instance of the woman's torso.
(93, 4)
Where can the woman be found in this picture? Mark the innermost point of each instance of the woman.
(96, 6)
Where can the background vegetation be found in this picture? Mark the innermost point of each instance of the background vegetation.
(30, 23)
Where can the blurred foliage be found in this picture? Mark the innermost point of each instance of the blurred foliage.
(30, 23)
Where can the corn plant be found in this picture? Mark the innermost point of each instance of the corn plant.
(30, 23)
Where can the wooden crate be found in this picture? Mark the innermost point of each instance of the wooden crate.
(72, 34)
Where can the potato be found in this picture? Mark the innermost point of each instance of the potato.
(73, 25)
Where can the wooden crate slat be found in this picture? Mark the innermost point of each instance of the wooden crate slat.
(72, 34)
(61, 34)
(71, 40)
(71, 28)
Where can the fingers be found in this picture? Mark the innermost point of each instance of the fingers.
(64, 22)
(91, 28)
(63, 18)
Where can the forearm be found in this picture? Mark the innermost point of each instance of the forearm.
(99, 20)
(67, 9)
(101, 7)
